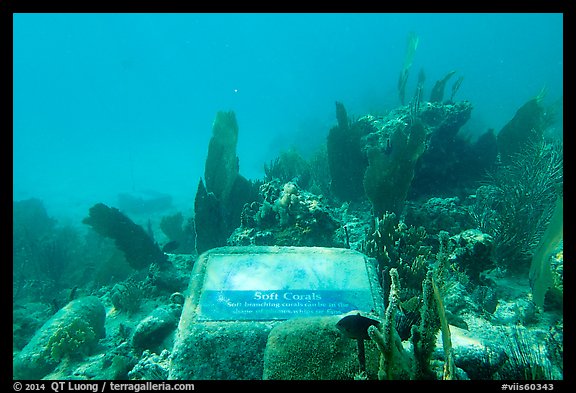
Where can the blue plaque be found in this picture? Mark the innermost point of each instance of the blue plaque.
(283, 286)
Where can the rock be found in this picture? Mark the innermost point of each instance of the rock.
(314, 348)
(473, 252)
(220, 351)
(287, 216)
(151, 367)
(476, 356)
(73, 330)
(153, 329)
(439, 214)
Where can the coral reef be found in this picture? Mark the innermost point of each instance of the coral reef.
(471, 265)
(518, 200)
(541, 278)
(287, 215)
(347, 162)
(153, 330)
(218, 205)
(437, 94)
(181, 233)
(126, 296)
(412, 151)
(391, 167)
(72, 330)
(139, 249)
(525, 128)
(439, 214)
(151, 367)
(411, 47)
(314, 348)
(208, 220)
(394, 363)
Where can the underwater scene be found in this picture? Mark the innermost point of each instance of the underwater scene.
(288, 197)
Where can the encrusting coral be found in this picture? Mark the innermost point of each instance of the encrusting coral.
(72, 331)
(287, 215)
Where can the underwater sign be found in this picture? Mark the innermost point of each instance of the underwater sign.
(264, 286)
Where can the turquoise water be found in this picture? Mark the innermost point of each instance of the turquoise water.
(112, 103)
(116, 114)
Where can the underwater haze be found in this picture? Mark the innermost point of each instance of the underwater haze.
(106, 104)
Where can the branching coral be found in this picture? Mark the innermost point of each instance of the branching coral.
(517, 202)
(424, 335)
(392, 358)
(541, 278)
(408, 59)
(526, 361)
(396, 245)
(289, 166)
(126, 296)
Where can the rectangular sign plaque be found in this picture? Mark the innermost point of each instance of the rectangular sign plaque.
(282, 286)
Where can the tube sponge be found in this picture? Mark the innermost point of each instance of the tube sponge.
(390, 171)
(140, 250)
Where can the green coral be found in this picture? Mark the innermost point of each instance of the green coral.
(396, 245)
(449, 367)
(393, 363)
(391, 168)
(541, 278)
(126, 296)
(424, 335)
(519, 201)
(70, 338)
(289, 166)
(437, 93)
(408, 59)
